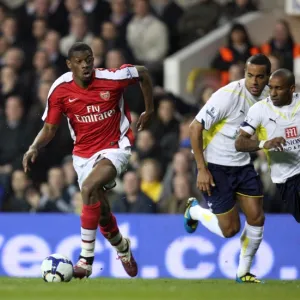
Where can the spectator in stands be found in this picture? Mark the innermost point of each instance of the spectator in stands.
(114, 58)
(110, 36)
(41, 8)
(181, 165)
(58, 19)
(9, 85)
(51, 45)
(3, 48)
(78, 33)
(275, 62)
(236, 72)
(282, 45)
(146, 146)
(120, 17)
(175, 204)
(49, 74)
(17, 201)
(150, 174)
(40, 62)
(14, 131)
(236, 8)
(39, 31)
(14, 57)
(184, 128)
(96, 11)
(54, 195)
(73, 6)
(170, 13)
(3, 13)
(39, 105)
(204, 95)
(33, 199)
(98, 48)
(147, 37)
(238, 49)
(133, 200)
(9, 30)
(165, 129)
(165, 122)
(197, 20)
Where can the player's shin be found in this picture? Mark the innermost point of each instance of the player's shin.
(89, 222)
(250, 240)
(111, 232)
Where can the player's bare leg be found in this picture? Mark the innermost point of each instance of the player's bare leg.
(96, 210)
(252, 234)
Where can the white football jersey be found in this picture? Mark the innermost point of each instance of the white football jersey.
(221, 117)
(269, 121)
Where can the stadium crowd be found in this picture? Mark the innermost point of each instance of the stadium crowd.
(34, 40)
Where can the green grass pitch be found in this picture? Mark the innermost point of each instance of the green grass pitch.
(143, 289)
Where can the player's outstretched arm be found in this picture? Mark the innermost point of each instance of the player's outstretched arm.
(244, 143)
(147, 90)
(46, 134)
(204, 179)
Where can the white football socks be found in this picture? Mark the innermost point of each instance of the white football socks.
(119, 243)
(88, 238)
(207, 219)
(250, 240)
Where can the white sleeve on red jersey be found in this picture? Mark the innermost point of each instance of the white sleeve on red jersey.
(124, 76)
(53, 110)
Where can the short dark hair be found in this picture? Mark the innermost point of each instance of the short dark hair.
(261, 60)
(79, 46)
(286, 74)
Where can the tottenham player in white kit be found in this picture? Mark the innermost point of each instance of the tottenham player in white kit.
(226, 176)
(276, 121)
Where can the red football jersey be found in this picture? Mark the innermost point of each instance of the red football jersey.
(98, 116)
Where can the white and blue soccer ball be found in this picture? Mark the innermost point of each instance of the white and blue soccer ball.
(57, 268)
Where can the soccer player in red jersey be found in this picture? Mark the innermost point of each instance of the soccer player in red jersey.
(99, 122)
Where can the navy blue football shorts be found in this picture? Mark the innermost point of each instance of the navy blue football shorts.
(290, 195)
(230, 182)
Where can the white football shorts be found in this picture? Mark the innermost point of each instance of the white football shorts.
(84, 166)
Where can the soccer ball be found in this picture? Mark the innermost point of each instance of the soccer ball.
(57, 268)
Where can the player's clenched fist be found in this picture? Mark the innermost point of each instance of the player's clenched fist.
(205, 181)
(29, 156)
(276, 143)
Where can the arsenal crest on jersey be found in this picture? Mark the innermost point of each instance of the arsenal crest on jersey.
(105, 95)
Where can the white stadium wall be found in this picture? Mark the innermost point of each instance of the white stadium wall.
(200, 53)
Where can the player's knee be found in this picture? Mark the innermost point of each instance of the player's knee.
(231, 231)
(256, 219)
(89, 193)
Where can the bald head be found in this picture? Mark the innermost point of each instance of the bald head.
(282, 87)
(286, 75)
